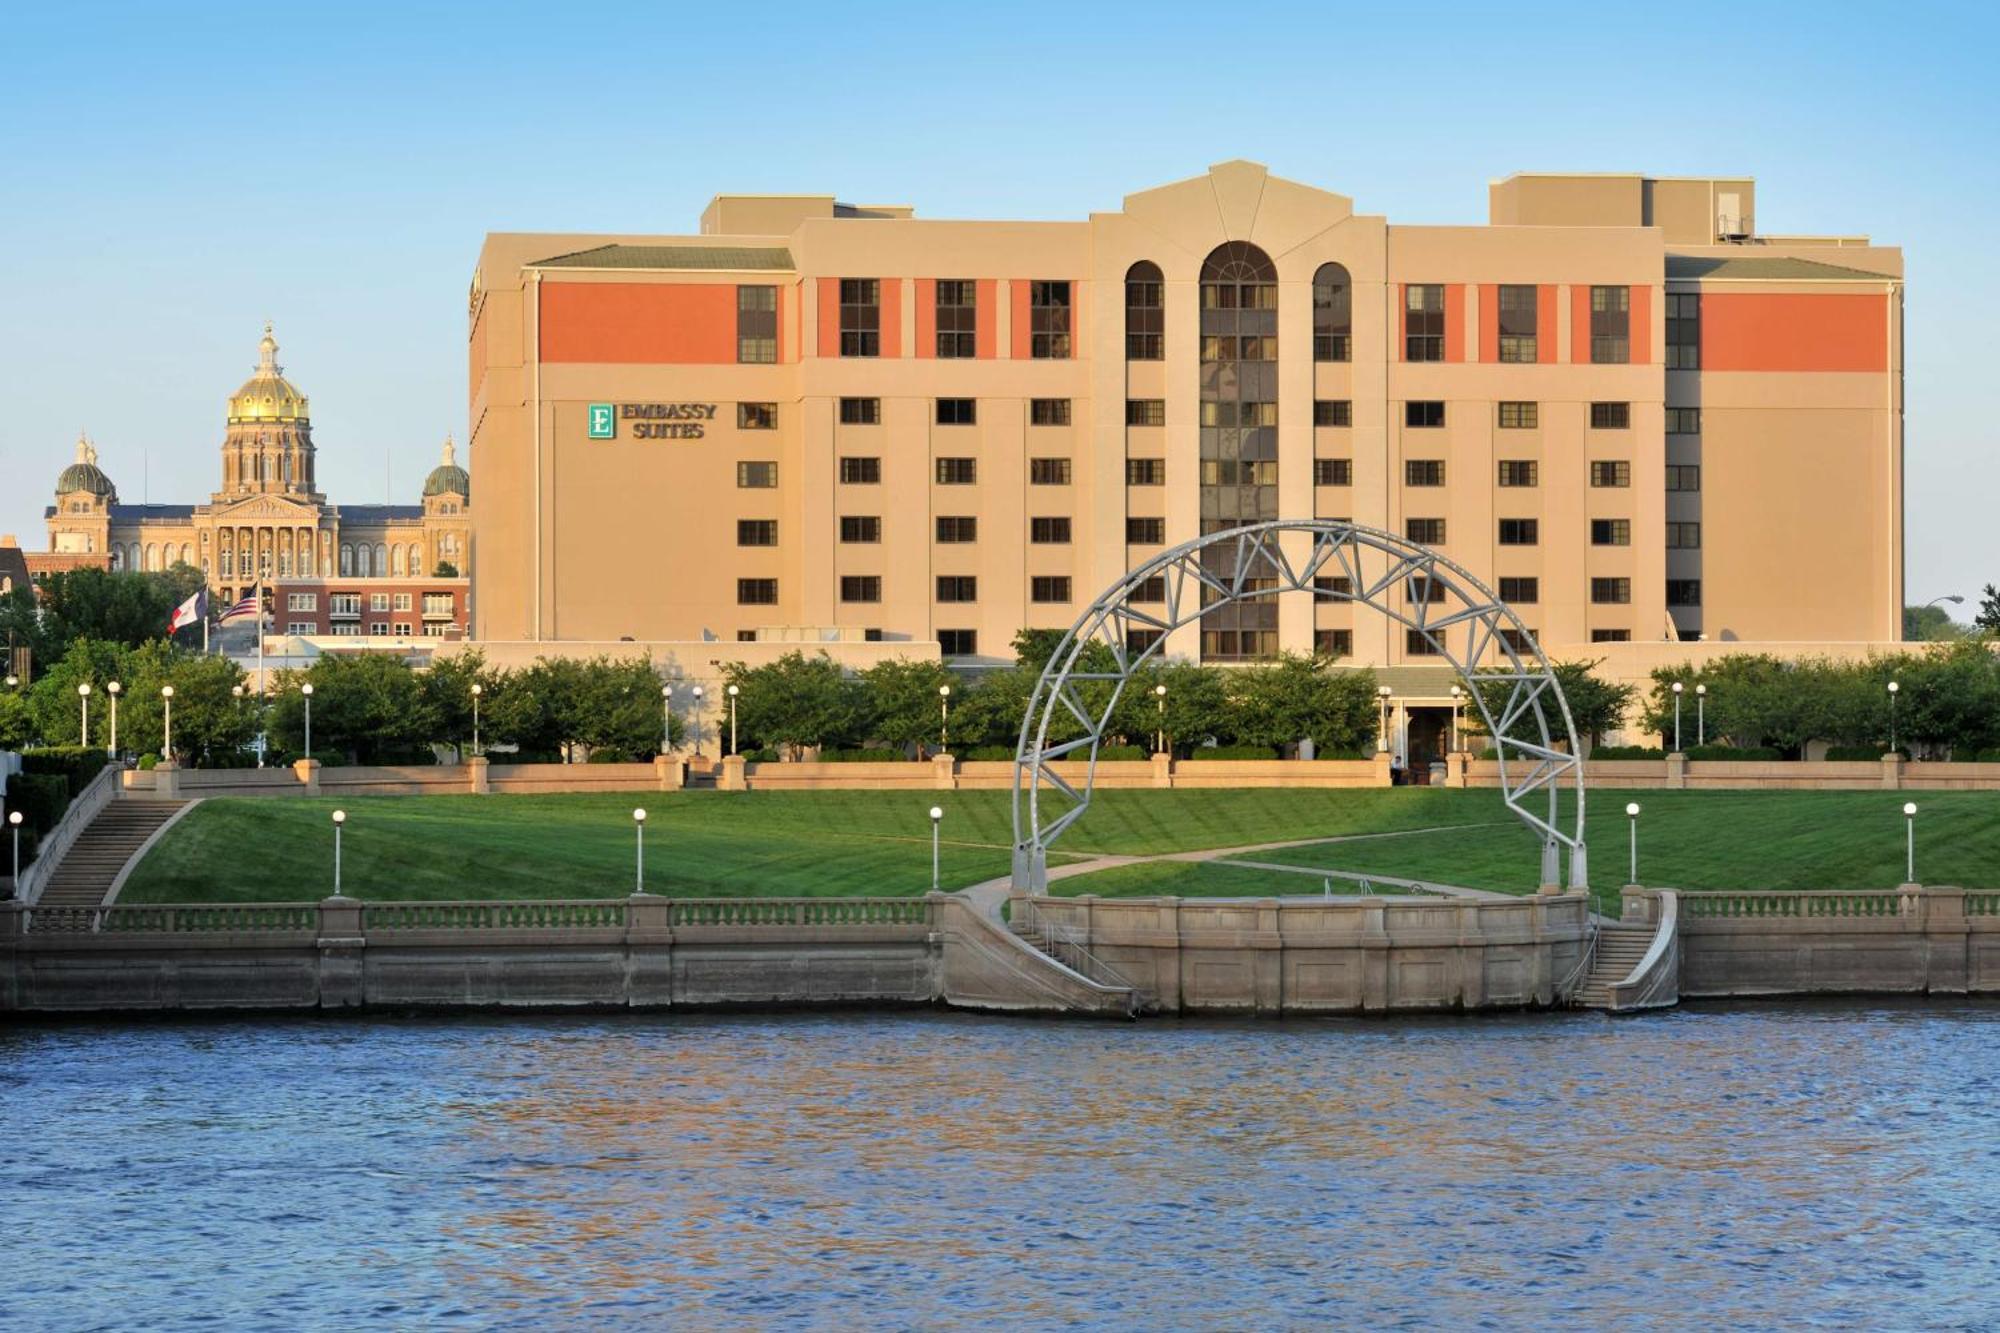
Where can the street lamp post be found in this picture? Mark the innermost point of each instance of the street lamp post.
(639, 859)
(1382, 692)
(114, 689)
(697, 721)
(732, 719)
(1677, 717)
(1632, 813)
(83, 694)
(1457, 716)
(339, 818)
(307, 690)
(14, 823)
(1894, 690)
(944, 719)
(1910, 842)
(937, 816)
(666, 717)
(1160, 698)
(477, 690)
(1700, 716)
(167, 725)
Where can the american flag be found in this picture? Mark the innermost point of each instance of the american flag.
(249, 606)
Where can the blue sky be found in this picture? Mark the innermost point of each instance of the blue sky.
(172, 176)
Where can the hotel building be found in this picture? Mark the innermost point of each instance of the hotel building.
(1639, 420)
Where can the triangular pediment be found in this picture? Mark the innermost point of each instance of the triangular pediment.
(1238, 201)
(264, 507)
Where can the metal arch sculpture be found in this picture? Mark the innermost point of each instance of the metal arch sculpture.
(1245, 564)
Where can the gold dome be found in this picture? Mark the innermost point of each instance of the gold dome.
(268, 395)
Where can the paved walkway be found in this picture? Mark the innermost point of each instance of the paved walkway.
(106, 846)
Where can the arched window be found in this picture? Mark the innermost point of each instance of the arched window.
(1145, 313)
(1333, 314)
(417, 558)
(1239, 434)
(381, 559)
(346, 560)
(396, 560)
(152, 556)
(187, 554)
(362, 565)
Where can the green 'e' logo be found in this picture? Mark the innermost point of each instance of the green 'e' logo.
(603, 425)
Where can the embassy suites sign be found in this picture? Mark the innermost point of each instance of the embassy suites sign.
(651, 421)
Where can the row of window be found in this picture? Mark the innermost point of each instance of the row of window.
(762, 474)
(1514, 473)
(958, 589)
(1528, 532)
(957, 313)
(952, 529)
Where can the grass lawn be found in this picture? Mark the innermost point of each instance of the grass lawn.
(778, 844)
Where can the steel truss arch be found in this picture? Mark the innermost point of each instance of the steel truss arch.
(1366, 566)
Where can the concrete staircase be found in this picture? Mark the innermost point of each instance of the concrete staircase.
(102, 850)
(1619, 949)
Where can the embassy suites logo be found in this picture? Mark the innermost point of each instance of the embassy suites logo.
(651, 421)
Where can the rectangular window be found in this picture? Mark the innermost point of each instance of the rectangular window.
(1145, 531)
(957, 411)
(863, 528)
(957, 318)
(957, 588)
(1683, 592)
(302, 601)
(1520, 531)
(1521, 592)
(301, 627)
(344, 604)
(378, 628)
(1683, 477)
(1423, 414)
(757, 531)
(1048, 322)
(756, 325)
(1520, 416)
(1604, 473)
(958, 642)
(1333, 412)
(378, 601)
(1333, 642)
(1423, 472)
(861, 471)
(1610, 325)
(1423, 589)
(861, 411)
(1151, 589)
(403, 600)
(347, 631)
(1519, 472)
(1423, 322)
(1145, 411)
(1333, 585)
(1145, 472)
(955, 528)
(438, 604)
(757, 476)
(860, 588)
(756, 592)
(1683, 421)
(756, 416)
(1049, 532)
(1428, 531)
(860, 317)
(1517, 324)
(1238, 472)
(1683, 331)
(1416, 643)
(1683, 536)
(1611, 416)
(1611, 592)
(1333, 472)
(1611, 636)
(1520, 640)
(1049, 588)
(402, 629)
(1610, 532)
(957, 471)
(1048, 411)
(1048, 471)
(746, 636)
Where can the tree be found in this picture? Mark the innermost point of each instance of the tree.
(619, 711)
(1299, 698)
(445, 570)
(124, 607)
(447, 689)
(796, 702)
(1988, 618)
(53, 702)
(537, 708)
(370, 706)
(1197, 705)
(17, 722)
(1932, 624)
(903, 698)
(211, 725)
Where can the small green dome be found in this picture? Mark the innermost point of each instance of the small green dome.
(448, 478)
(84, 474)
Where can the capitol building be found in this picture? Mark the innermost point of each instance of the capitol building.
(268, 520)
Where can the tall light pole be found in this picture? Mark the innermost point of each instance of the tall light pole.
(732, 719)
(1700, 716)
(1160, 699)
(114, 689)
(339, 818)
(697, 721)
(14, 823)
(1677, 717)
(937, 816)
(477, 690)
(307, 690)
(944, 719)
(1910, 842)
(167, 725)
(83, 694)
(1457, 716)
(1894, 690)
(1632, 813)
(666, 717)
(1382, 693)
(639, 860)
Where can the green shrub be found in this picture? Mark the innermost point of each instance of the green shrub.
(1233, 752)
(1987, 757)
(1855, 752)
(148, 762)
(984, 754)
(863, 756)
(765, 756)
(75, 764)
(1628, 752)
(1122, 753)
(41, 798)
(1734, 753)
(1343, 754)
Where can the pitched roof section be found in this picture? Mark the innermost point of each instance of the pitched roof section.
(731, 257)
(381, 513)
(140, 513)
(1767, 269)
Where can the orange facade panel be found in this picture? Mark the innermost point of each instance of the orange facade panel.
(1641, 327)
(1454, 322)
(829, 317)
(638, 323)
(986, 318)
(1787, 331)
(1545, 323)
(1579, 325)
(1017, 301)
(1489, 322)
(926, 318)
(890, 293)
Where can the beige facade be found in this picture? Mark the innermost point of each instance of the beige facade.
(268, 519)
(1635, 418)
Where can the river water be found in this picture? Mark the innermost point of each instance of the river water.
(1783, 1164)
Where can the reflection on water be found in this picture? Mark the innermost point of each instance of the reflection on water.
(1783, 1163)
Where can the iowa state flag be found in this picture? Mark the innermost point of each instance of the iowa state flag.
(191, 612)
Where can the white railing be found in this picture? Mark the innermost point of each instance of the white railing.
(94, 797)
